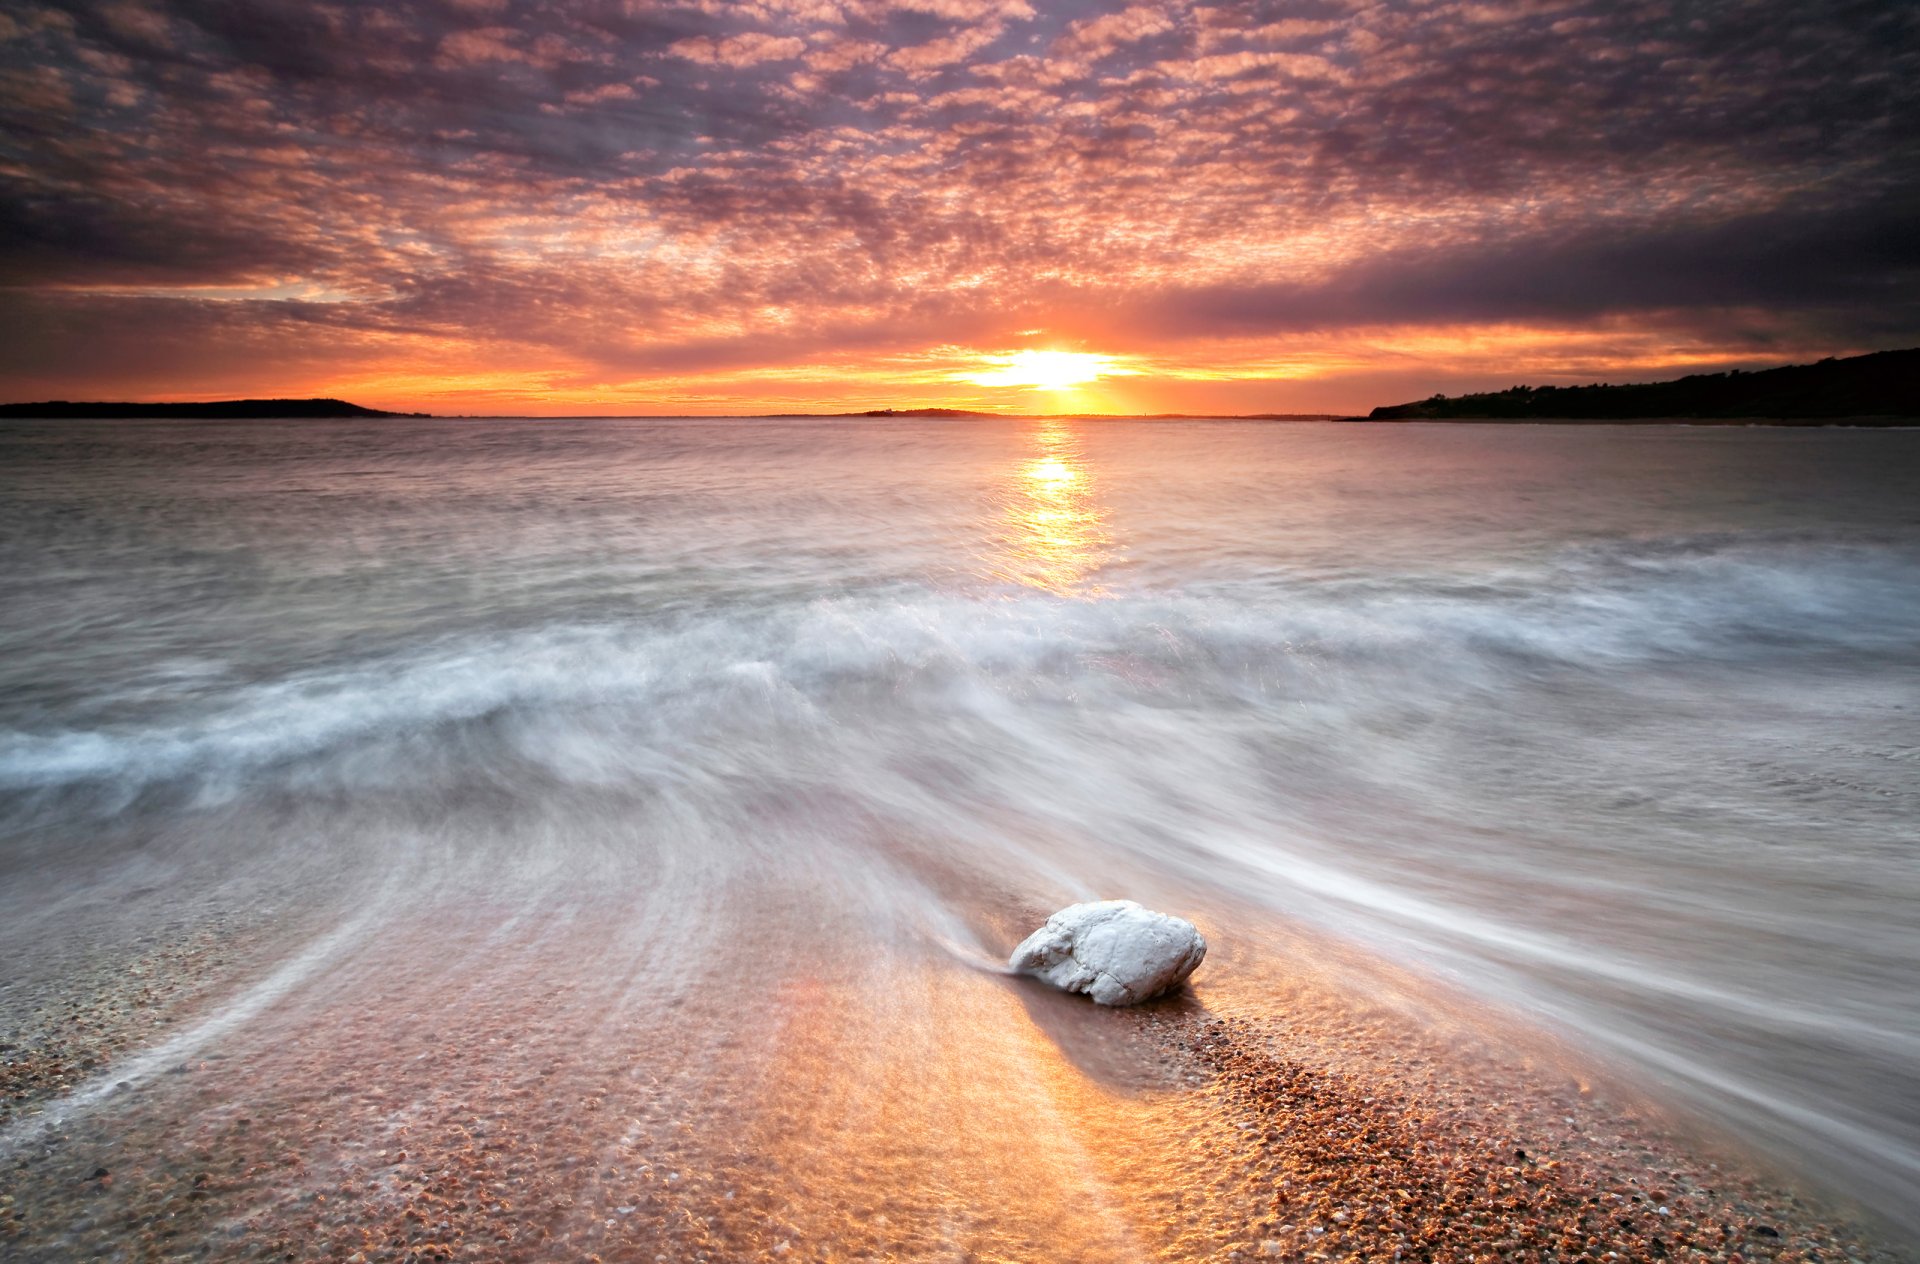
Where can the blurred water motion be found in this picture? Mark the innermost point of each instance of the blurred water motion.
(699, 765)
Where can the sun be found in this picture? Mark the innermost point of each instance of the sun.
(1043, 370)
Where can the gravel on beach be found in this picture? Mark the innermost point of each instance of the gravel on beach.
(1364, 1172)
(1236, 1151)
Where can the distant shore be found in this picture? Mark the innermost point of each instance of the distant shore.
(211, 410)
(1880, 389)
(246, 410)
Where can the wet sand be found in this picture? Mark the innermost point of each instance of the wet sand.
(521, 1083)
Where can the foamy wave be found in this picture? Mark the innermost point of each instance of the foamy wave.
(1350, 643)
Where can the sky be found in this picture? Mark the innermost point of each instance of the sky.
(621, 206)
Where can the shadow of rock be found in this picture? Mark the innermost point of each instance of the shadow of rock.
(1133, 1049)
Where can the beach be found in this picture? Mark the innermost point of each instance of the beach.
(602, 839)
(415, 1115)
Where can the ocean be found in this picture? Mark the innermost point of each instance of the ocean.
(724, 759)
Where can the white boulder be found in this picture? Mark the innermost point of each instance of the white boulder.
(1115, 951)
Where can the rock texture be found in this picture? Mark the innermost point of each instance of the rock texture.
(1115, 951)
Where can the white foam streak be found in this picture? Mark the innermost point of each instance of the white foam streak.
(1710, 605)
(231, 1016)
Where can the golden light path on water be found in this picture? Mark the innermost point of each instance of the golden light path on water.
(1054, 533)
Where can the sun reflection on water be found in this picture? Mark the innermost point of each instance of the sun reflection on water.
(1053, 532)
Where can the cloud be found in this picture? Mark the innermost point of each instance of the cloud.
(1833, 274)
(469, 48)
(630, 186)
(747, 49)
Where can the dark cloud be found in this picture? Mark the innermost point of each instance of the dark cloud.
(1843, 273)
(71, 238)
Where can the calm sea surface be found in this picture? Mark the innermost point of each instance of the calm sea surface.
(1615, 728)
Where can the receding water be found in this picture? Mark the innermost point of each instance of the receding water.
(569, 733)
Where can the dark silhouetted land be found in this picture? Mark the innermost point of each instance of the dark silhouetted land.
(920, 412)
(60, 409)
(1878, 389)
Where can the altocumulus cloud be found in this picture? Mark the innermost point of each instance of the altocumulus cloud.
(615, 193)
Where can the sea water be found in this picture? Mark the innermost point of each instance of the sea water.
(1617, 728)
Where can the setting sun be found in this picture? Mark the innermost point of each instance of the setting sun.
(1045, 370)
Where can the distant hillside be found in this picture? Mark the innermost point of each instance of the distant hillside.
(1885, 384)
(916, 412)
(251, 409)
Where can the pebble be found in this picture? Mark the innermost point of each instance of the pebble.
(1389, 1179)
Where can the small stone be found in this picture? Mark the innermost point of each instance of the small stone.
(1115, 951)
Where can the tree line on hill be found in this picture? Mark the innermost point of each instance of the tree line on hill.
(1885, 385)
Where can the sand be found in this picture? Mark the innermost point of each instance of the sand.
(1261, 1115)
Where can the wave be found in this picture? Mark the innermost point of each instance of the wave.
(1346, 639)
(1381, 638)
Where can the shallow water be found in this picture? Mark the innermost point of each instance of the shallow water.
(720, 755)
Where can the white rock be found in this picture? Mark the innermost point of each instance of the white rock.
(1115, 951)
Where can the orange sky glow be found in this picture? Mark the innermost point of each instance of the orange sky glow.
(1310, 206)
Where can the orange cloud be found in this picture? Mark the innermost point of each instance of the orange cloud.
(716, 206)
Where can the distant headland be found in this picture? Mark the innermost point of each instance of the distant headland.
(919, 412)
(1882, 389)
(249, 409)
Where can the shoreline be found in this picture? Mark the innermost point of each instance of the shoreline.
(1321, 1127)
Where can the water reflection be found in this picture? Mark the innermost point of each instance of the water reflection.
(1052, 534)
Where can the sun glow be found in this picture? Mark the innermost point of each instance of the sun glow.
(1044, 370)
